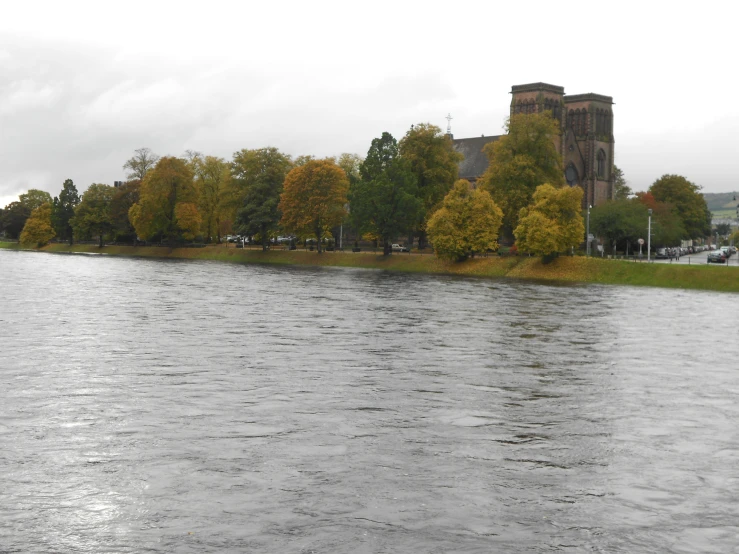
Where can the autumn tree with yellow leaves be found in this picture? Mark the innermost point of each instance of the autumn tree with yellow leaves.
(167, 205)
(435, 164)
(38, 229)
(467, 223)
(552, 223)
(520, 161)
(212, 176)
(313, 198)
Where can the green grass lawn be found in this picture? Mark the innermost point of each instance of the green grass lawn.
(576, 269)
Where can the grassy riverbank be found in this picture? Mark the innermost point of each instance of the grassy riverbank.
(568, 269)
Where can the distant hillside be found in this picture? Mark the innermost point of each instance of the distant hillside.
(720, 201)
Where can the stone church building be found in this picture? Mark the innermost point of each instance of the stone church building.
(585, 140)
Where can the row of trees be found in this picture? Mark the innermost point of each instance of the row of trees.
(401, 188)
(679, 212)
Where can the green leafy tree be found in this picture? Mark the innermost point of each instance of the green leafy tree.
(521, 161)
(302, 160)
(13, 219)
(619, 221)
(38, 230)
(384, 200)
(435, 164)
(260, 174)
(62, 211)
(621, 189)
(350, 163)
(313, 198)
(140, 163)
(124, 197)
(212, 175)
(92, 217)
(688, 202)
(723, 229)
(553, 223)
(667, 227)
(167, 205)
(35, 198)
(468, 222)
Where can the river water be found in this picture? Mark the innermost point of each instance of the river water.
(179, 406)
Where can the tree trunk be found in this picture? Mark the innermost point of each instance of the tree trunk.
(263, 232)
(386, 250)
(101, 241)
(318, 236)
(421, 240)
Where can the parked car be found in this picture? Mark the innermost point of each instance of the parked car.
(716, 257)
(663, 253)
(398, 248)
(726, 250)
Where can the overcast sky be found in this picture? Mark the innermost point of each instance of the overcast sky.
(84, 84)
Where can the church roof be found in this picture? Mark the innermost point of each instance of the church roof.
(475, 161)
(536, 87)
(588, 96)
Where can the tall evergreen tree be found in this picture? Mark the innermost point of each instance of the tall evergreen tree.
(62, 211)
(384, 202)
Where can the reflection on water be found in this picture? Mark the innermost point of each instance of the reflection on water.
(184, 406)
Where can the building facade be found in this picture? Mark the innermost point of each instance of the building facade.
(585, 140)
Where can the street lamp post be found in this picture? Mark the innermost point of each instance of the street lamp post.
(649, 236)
(587, 238)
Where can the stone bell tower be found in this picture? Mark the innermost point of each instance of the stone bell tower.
(588, 145)
(585, 141)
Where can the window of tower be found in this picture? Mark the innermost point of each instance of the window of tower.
(571, 120)
(571, 175)
(602, 164)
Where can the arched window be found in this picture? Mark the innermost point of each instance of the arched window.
(577, 122)
(602, 164)
(571, 175)
(598, 122)
(571, 120)
(584, 123)
(609, 123)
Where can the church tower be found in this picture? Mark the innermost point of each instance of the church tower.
(538, 98)
(588, 146)
(585, 141)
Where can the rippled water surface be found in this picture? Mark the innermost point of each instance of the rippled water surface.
(164, 406)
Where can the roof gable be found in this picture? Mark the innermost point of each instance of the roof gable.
(475, 161)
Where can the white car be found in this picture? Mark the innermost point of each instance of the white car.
(398, 248)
